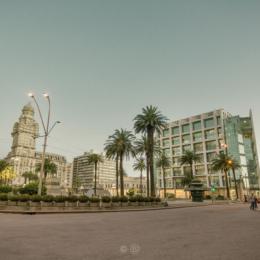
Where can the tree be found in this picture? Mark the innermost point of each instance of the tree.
(123, 148)
(234, 165)
(3, 166)
(95, 159)
(29, 176)
(49, 167)
(150, 121)
(222, 163)
(139, 165)
(189, 157)
(7, 175)
(163, 162)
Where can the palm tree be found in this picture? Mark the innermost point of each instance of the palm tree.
(112, 152)
(49, 167)
(29, 176)
(139, 165)
(123, 140)
(222, 163)
(94, 158)
(234, 165)
(163, 162)
(150, 121)
(189, 157)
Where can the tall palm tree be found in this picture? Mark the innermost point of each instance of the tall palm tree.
(163, 162)
(222, 163)
(94, 158)
(139, 165)
(189, 157)
(123, 140)
(141, 149)
(234, 165)
(29, 176)
(112, 152)
(49, 167)
(150, 121)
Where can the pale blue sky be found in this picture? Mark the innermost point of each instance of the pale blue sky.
(102, 61)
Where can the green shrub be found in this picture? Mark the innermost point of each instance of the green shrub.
(106, 199)
(170, 195)
(115, 199)
(36, 198)
(123, 199)
(59, 199)
(3, 197)
(208, 197)
(24, 198)
(5, 188)
(220, 197)
(133, 199)
(158, 199)
(13, 198)
(32, 189)
(139, 198)
(94, 199)
(83, 199)
(147, 199)
(47, 198)
(72, 199)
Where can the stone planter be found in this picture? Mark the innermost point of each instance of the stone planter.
(106, 204)
(83, 204)
(148, 203)
(59, 204)
(70, 204)
(34, 204)
(94, 204)
(141, 203)
(124, 204)
(135, 204)
(46, 204)
(11, 203)
(23, 203)
(3, 203)
(115, 204)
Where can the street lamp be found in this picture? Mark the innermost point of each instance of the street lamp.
(47, 129)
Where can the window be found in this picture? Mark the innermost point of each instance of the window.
(197, 136)
(185, 128)
(201, 158)
(220, 133)
(177, 171)
(211, 156)
(186, 139)
(176, 151)
(210, 134)
(166, 132)
(175, 130)
(200, 170)
(208, 122)
(187, 170)
(198, 147)
(166, 142)
(166, 151)
(176, 161)
(218, 120)
(176, 140)
(211, 145)
(186, 148)
(196, 126)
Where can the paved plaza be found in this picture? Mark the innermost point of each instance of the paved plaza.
(210, 232)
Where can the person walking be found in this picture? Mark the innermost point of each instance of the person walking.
(255, 202)
(252, 202)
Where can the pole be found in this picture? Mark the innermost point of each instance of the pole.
(234, 176)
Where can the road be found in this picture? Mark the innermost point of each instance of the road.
(212, 232)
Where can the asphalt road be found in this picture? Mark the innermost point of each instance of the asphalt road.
(211, 232)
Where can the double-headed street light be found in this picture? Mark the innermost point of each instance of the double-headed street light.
(47, 130)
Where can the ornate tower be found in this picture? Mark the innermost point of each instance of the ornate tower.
(22, 155)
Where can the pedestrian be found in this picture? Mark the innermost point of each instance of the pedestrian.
(255, 202)
(252, 202)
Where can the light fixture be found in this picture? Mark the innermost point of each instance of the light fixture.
(30, 95)
(46, 95)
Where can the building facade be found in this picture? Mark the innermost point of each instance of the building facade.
(207, 135)
(22, 155)
(84, 173)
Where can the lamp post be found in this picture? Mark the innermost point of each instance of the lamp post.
(47, 129)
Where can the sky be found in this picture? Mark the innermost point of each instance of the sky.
(103, 61)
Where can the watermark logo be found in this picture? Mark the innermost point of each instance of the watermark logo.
(133, 249)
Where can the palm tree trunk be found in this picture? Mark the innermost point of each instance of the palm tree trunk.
(141, 182)
(191, 171)
(95, 183)
(117, 194)
(121, 176)
(235, 180)
(147, 176)
(150, 141)
(226, 180)
(164, 183)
